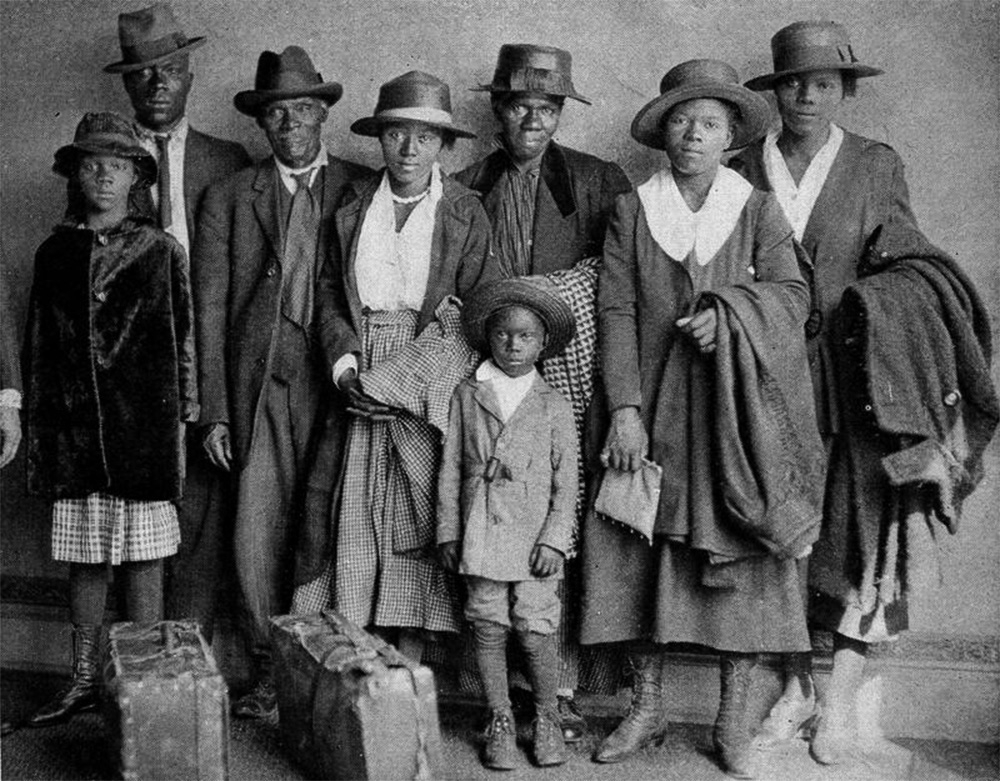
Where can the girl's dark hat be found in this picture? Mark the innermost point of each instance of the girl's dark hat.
(282, 76)
(702, 79)
(811, 46)
(528, 67)
(412, 97)
(536, 293)
(106, 133)
(149, 36)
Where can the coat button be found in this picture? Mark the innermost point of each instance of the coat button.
(260, 362)
(272, 269)
(952, 398)
(101, 295)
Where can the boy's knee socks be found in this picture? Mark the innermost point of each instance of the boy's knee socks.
(543, 666)
(491, 657)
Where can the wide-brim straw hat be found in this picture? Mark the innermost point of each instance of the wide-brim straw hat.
(283, 76)
(106, 133)
(149, 36)
(703, 79)
(811, 46)
(413, 97)
(537, 294)
(528, 67)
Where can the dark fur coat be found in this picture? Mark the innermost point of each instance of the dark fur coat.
(109, 364)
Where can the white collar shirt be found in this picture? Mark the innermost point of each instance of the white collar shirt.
(287, 174)
(177, 138)
(510, 391)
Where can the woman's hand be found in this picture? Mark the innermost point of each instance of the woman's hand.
(545, 561)
(448, 555)
(360, 403)
(701, 329)
(627, 441)
(10, 434)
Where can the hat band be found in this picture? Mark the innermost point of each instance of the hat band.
(287, 81)
(815, 58)
(151, 50)
(430, 116)
(534, 80)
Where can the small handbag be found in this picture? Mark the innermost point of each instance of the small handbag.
(631, 498)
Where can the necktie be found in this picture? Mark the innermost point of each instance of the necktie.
(300, 254)
(163, 183)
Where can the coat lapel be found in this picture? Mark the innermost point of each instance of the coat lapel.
(348, 219)
(193, 159)
(487, 399)
(842, 177)
(265, 205)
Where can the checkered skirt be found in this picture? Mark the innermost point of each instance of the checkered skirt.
(105, 528)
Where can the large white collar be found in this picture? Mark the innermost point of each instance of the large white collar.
(680, 231)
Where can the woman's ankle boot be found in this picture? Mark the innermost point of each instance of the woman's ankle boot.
(731, 736)
(83, 692)
(645, 721)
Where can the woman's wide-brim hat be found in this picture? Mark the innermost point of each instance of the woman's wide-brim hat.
(528, 67)
(149, 36)
(412, 97)
(536, 293)
(703, 79)
(283, 76)
(106, 133)
(811, 46)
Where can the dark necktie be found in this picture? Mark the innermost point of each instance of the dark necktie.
(163, 185)
(299, 262)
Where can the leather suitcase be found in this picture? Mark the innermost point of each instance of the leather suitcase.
(167, 705)
(350, 705)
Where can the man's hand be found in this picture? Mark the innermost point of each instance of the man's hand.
(701, 329)
(448, 555)
(10, 434)
(545, 561)
(627, 441)
(360, 403)
(215, 441)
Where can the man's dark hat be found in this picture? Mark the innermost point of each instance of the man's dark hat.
(149, 36)
(811, 46)
(702, 79)
(106, 133)
(527, 67)
(290, 74)
(536, 293)
(412, 97)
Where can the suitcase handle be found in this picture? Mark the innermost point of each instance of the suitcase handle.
(363, 641)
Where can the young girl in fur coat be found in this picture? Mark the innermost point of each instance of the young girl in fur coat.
(108, 359)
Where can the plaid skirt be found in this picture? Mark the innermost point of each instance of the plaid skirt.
(104, 528)
(381, 576)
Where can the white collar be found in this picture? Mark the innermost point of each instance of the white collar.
(177, 134)
(677, 229)
(488, 371)
(797, 201)
(288, 174)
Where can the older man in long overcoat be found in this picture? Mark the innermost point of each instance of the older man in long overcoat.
(262, 379)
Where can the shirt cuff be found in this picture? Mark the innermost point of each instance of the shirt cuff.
(344, 362)
(10, 397)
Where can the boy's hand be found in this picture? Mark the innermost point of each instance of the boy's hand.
(545, 561)
(448, 555)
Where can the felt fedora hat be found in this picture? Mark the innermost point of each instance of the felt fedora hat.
(528, 67)
(290, 74)
(149, 36)
(811, 46)
(702, 79)
(106, 133)
(412, 97)
(536, 293)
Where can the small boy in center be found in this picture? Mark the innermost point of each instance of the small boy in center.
(507, 500)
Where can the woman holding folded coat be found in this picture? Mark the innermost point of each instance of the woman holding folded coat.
(701, 307)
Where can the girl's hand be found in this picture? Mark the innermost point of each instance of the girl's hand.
(448, 555)
(701, 329)
(545, 561)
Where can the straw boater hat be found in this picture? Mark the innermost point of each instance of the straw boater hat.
(149, 36)
(415, 97)
(105, 133)
(811, 46)
(535, 293)
(290, 74)
(702, 79)
(527, 67)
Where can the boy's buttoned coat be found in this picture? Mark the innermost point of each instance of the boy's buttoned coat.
(531, 497)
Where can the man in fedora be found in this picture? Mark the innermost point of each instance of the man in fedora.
(157, 77)
(262, 379)
(549, 206)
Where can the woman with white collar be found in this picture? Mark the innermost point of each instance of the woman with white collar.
(697, 266)
(836, 188)
(407, 239)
